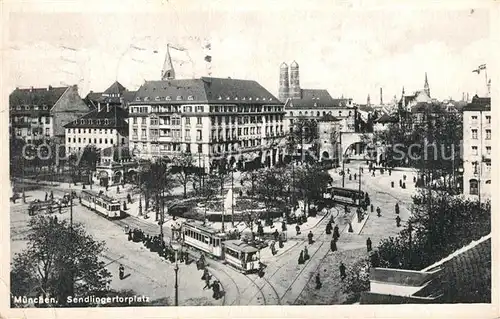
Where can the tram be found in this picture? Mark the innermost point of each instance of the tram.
(346, 196)
(242, 256)
(102, 204)
(204, 238)
(236, 253)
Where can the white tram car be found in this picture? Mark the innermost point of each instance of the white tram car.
(238, 254)
(102, 204)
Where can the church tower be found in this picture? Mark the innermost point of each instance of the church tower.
(168, 72)
(368, 102)
(426, 86)
(295, 92)
(284, 83)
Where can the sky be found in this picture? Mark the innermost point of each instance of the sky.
(352, 49)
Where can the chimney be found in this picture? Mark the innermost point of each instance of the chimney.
(381, 97)
(31, 89)
(98, 106)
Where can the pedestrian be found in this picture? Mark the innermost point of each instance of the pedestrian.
(333, 244)
(336, 233)
(55, 219)
(207, 281)
(297, 229)
(121, 271)
(350, 230)
(107, 188)
(342, 271)
(404, 177)
(301, 257)
(390, 172)
(350, 177)
(378, 211)
(373, 174)
(129, 198)
(60, 207)
(117, 189)
(273, 247)
(130, 235)
(348, 171)
(51, 195)
(46, 196)
(280, 241)
(396, 208)
(124, 205)
(400, 183)
(276, 234)
(216, 290)
(283, 226)
(369, 244)
(355, 175)
(318, 281)
(205, 273)
(306, 254)
(398, 221)
(310, 237)
(329, 228)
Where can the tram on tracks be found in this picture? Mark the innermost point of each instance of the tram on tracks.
(215, 244)
(103, 205)
(345, 196)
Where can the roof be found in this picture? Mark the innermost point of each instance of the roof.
(92, 97)
(314, 98)
(385, 118)
(425, 106)
(465, 275)
(115, 88)
(366, 108)
(328, 118)
(240, 246)
(478, 104)
(115, 115)
(204, 90)
(36, 96)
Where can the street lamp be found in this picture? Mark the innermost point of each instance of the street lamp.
(176, 247)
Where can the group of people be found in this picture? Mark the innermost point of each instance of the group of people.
(216, 288)
(157, 244)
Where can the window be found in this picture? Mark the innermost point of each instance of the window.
(474, 150)
(488, 150)
(474, 134)
(187, 135)
(105, 141)
(111, 141)
(47, 131)
(79, 140)
(134, 132)
(100, 141)
(474, 119)
(198, 120)
(143, 132)
(123, 140)
(488, 119)
(188, 121)
(473, 187)
(134, 121)
(47, 120)
(198, 135)
(488, 134)
(106, 121)
(200, 148)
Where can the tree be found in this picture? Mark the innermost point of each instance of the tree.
(59, 261)
(303, 131)
(182, 167)
(311, 181)
(357, 279)
(208, 191)
(154, 181)
(271, 188)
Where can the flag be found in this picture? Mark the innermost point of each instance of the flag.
(482, 67)
(476, 70)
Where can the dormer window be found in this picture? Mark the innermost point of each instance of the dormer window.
(190, 98)
(179, 98)
(236, 98)
(257, 99)
(99, 122)
(157, 98)
(249, 98)
(137, 98)
(35, 107)
(168, 98)
(27, 107)
(45, 107)
(82, 121)
(18, 107)
(244, 98)
(90, 121)
(219, 98)
(106, 122)
(146, 98)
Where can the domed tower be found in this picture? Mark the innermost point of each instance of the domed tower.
(284, 83)
(295, 92)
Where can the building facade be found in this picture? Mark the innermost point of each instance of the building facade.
(477, 148)
(214, 119)
(41, 113)
(328, 137)
(103, 127)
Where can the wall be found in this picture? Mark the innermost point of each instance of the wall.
(69, 108)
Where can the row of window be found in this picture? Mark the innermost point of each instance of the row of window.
(90, 131)
(475, 150)
(165, 120)
(35, 132)
(245, 119)
(474, 186)
(213, 108)
(202, 238)
(474, 119)
(474, 134)
(97, 121)
(27, 119)
(318, 113)
(84, 140)
(28, 107)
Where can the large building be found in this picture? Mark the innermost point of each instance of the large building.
(311, 104)
(103, 127)
(116, 94)
(41, 113)
(212, 118)
(328, 137)
(477, 148)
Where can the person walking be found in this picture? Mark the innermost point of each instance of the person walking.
(318, 281)
(333, 244)
(310, 237)
(121, 272)
(369, 244)
(216, 290)
(297, 229)
(396, 208)
(306, 254)
(207, 281)
(378, 211)
(342, 271)
(301, 257)
(46, 196)
(336, 233)
(329, 228)
(398, 221)
(276, 234)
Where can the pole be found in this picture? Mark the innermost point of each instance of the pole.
(223, 209)
(232, 197)
(359, 179)
(342, 159)
(410, 229)
(480, 161)
(176, 269)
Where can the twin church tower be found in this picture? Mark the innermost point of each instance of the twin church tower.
(289, 85)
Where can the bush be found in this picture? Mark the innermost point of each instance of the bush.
(357, 280)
